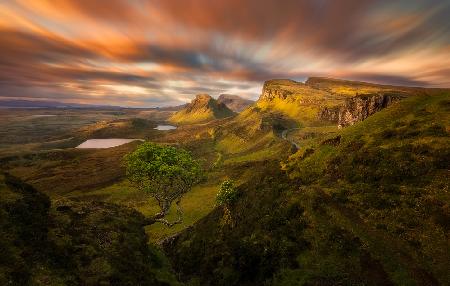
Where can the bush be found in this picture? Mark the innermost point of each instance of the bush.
(227, 194)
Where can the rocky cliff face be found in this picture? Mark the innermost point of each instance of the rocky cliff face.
(357, 108)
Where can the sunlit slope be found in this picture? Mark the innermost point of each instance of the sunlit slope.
(295, 100)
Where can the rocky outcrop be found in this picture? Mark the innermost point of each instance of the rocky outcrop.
(201, 101)
(357, 108)
(234, 102)
(202, 108)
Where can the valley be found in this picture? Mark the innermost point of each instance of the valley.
(338, 181)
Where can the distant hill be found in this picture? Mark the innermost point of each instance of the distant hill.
(21, 103)
(235, 102)
(202, 109)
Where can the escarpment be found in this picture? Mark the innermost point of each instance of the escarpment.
(357, 108)
(320, 99)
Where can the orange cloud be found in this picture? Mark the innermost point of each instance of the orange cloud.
(138, 50)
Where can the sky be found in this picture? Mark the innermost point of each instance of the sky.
(147, 53)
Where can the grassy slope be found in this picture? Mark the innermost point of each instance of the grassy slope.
(183, 117)
(388, 183)
(372, 210)
(221, 158)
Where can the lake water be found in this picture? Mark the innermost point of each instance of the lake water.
(165, 127)
(42, 115)
(104, 143)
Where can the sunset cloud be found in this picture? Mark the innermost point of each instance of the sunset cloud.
(155, 53)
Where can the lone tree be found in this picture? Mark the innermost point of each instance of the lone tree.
(165, 173)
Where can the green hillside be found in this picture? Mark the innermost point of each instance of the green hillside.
(365, 206)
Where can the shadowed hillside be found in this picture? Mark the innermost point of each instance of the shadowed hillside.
(72, 243)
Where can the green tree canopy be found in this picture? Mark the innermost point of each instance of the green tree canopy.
(166, 173)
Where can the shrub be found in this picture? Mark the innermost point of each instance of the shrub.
(227, 194)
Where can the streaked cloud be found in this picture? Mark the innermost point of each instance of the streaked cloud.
(153, 53)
